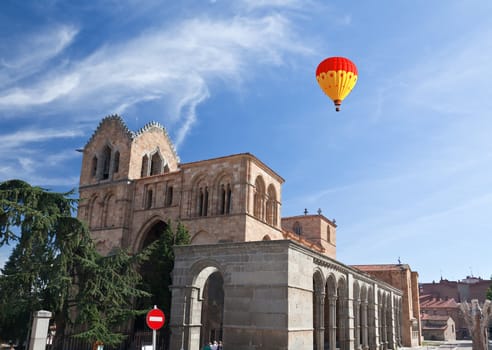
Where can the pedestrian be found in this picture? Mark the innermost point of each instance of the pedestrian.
(220, 346)
(207, 346)
(214, 346)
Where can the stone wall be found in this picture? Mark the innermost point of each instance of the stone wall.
(268, 296)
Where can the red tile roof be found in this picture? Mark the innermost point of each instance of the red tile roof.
(428, 302)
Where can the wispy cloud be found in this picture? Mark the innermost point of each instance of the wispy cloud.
(175, 64)
(36, 50)
(24, 137)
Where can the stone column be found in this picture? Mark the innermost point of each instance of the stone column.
(39, 331)
(365, 343)
(178, 323)
(195, 318)
(391, 322)
(320, 332)
(374, 331)
(357, 324)
(384, 328)
(381, 324)
(332, 303)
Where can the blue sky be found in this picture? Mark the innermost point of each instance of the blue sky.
(405, 168)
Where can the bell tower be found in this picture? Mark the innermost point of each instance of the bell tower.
(113, 160)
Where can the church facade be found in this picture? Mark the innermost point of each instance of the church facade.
(249, 277)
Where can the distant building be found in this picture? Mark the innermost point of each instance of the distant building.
(438, 328)
(430, 306)
(402, 277)
(465, 290)
(443, 298)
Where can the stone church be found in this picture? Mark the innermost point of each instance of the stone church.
(250, 278)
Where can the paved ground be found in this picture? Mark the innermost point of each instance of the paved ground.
(457, 344)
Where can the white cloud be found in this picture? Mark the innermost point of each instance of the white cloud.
(176, 64)
(23, 137)
(36, 50)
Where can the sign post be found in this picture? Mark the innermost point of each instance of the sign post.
(155, 320)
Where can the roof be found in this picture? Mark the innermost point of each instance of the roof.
(429, 302)
(308, 216)
(382, 267)
(246, 154)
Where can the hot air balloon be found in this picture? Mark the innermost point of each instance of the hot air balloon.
(336, 76)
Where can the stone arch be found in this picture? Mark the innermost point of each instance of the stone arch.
(331, 285)
(259, 198)
(94, 218)
(318, 309)
(155, 272)
(363, 293)
(106, 161)
(140, 238)
(110, 214)
(94, 166)
(203, 237)
(208, 299)
(157, 162)
(145, 166)
(342, 308)
(200, 195)
(201, 270)
(330, 311)
(272, 206)
(223, 192)
(116, 162)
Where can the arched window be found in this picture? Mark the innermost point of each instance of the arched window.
(203, 201)
(106, 156)
(145, 166)
(156, 164)
(116, 162)
(271, 206)
(225, 197)
(94, 166)
(228, 199)
(259, 199)
(297, 228)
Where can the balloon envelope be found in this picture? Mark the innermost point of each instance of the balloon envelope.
(337, 76)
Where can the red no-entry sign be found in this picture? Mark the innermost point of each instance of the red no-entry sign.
(155, 319)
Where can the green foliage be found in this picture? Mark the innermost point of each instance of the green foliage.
(489, 293)
(157, 268)
(55, 266)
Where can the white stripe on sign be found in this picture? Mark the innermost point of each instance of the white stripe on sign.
(155, 318)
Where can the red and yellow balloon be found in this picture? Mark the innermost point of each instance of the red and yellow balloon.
(337, 77)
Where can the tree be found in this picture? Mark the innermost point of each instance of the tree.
(477, 320)
(489, 293)
(156, 271)
(55, 266)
